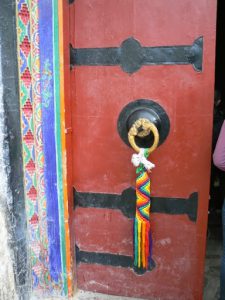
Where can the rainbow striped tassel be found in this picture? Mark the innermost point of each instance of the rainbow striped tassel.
(142, 229)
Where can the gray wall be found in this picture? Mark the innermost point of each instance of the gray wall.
(14, 275)
(7, 284)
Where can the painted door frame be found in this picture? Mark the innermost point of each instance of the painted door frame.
(43, 66)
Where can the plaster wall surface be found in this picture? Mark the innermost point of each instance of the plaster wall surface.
(7, 283)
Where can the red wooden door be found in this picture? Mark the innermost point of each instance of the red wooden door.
(101, 161)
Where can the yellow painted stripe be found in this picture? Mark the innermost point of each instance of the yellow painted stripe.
(63, 139)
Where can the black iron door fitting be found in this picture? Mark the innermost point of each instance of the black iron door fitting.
(131, 55)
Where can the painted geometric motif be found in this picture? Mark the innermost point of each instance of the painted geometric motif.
(33, 159)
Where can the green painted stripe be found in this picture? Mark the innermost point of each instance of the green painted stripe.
(58, 144)
(135, 242)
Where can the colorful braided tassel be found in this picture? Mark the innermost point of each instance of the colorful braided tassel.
(142, 228)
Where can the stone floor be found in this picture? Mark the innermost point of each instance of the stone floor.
(81, 295)
(213, 257)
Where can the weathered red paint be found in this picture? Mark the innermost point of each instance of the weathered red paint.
(101, 161)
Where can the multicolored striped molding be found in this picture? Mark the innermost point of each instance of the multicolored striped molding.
(41, 103)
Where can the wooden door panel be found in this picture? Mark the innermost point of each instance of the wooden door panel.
(101, 161)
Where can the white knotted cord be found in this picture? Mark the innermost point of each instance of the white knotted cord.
(140, 158)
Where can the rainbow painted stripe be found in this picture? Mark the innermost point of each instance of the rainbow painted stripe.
(142, 228)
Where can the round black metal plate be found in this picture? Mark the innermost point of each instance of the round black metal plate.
(143, 108)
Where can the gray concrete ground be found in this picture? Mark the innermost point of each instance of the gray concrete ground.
(81, 295)
(213, 258)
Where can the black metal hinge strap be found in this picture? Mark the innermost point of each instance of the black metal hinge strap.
(109, 259)
(126, 202)
(95, 57)
(131, 56)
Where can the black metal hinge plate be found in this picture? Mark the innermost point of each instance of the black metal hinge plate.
(126, 203)
(108, 259)
(131, 55)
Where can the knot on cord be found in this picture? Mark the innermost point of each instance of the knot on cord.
(140, 158)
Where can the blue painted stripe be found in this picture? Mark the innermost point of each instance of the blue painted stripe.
(48, 127)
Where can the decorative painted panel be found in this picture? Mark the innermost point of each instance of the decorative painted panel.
(41, 119)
